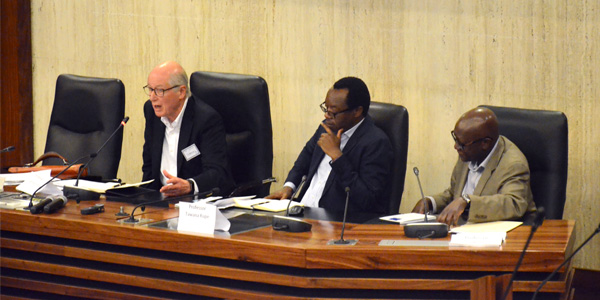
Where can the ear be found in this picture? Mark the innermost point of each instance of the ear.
(358, 112)
(182, 92)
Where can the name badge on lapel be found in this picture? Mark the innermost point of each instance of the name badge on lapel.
(190, 152)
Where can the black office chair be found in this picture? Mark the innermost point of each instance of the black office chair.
(542, 136)
(243, 102)
(393, 120)
(86, 112)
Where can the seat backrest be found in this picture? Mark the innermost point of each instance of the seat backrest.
(393, 120)
(85, 113)
(542, 136)
(243, 102)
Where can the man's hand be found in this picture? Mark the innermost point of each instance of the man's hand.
(420, 206)
(283, 193)
(175, 186)
(330, 142)
(452, 212)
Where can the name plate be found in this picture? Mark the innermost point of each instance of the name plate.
(201, 218)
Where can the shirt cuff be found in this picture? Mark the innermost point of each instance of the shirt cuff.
(433, 205)
(290, 185)
(195, 185)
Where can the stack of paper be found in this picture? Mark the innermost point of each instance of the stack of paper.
(478, 239)
(490, 234)
(403, 219)
(255, 204)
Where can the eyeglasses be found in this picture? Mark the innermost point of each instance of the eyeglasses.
(462, 146)
(158, 92)
(332, 114)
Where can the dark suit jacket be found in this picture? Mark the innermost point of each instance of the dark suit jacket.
(364, 167)
(201, 125)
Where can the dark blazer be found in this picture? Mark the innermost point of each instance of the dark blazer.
(364, 167)
(202, 126)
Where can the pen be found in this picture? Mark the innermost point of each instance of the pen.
(253, 205)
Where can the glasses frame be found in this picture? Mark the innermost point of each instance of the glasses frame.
(158, 92)
(332, 114)
(462, 146)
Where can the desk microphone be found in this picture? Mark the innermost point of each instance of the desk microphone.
(7, 149)
(251, 185)
(198, 195)
(427, 229)
(341, 241)
(78, 193)
(565, 262)
(539, 219)
(287, 223)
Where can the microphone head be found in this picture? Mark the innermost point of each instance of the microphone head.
(125, 120)
(416, 171)
(347, 189)
(539, 217)
(60, 197)
(216, 190)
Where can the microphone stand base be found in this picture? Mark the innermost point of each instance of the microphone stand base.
(426, 230)
(288, 224)
(79, 194)
(342, 242)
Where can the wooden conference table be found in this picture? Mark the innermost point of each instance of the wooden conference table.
(68, 255)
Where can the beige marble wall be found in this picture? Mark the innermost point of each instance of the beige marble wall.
(437, 58)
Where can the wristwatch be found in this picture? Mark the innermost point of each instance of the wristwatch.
(191, 185)
(467, 198)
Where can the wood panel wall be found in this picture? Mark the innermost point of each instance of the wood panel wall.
(437, 58)
(16, 108)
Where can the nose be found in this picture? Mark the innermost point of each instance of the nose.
(457, 147)
(153, 96)
(328, 116)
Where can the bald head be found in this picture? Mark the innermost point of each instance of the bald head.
(173, 73)
(481, 121)
(475, 134)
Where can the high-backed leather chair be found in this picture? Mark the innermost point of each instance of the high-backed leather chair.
(542, 136)
(86, 112)
(393, 120)
(243, 102)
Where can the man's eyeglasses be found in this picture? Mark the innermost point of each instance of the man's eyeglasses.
(158, 92)
(332, 114)
(462, 146)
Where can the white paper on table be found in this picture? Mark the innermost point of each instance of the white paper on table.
(478, 239)
(98, 187)
(201, 218)
(36, 179)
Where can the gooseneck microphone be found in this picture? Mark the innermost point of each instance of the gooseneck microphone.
(427, 229)
(287, 223)
(53, 177)
(78, 193)
(7, 149)
(295, 195)
(539, 219)
(198, 195)
(565, 262)
(341, 241)
(250, 185)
